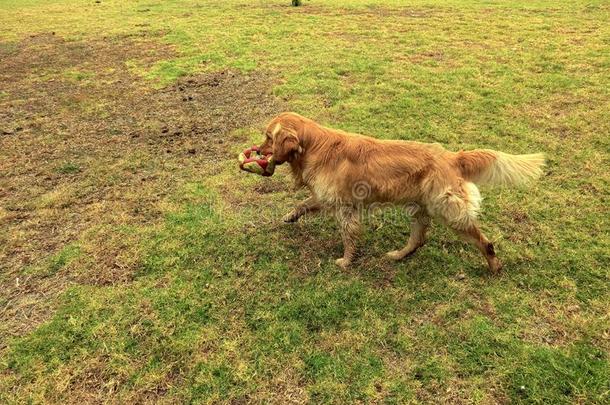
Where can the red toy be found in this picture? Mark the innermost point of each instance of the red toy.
(251, 160)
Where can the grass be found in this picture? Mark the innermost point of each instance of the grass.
(175, 286)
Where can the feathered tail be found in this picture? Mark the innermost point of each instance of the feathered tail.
(485, 166)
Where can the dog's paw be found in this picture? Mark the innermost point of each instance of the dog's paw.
(395, 255)
(495, 266)
(343, 263)
(290, 217)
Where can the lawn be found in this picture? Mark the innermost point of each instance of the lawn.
(138, 264)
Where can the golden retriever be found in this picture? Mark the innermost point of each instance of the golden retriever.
(349, 172)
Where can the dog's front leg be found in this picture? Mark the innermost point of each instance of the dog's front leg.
(349, 225)
(309, 205)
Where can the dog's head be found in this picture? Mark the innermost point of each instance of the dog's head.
(282, 141)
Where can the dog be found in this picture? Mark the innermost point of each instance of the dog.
(347, 172)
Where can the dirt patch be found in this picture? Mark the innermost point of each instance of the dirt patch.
(86, 146)
(46, 52)
(271, 186)
(193, 115)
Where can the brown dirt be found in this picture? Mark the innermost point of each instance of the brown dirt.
(86, 147)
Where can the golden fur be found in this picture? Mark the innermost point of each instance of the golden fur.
(348, 171)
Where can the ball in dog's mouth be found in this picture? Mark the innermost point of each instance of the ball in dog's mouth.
(251, 160)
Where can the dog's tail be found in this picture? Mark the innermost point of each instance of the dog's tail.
(485, 166)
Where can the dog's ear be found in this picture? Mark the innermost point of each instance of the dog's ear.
(285, 144)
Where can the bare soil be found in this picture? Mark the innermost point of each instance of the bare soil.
(87, 146)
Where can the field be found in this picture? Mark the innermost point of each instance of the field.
(138, 264)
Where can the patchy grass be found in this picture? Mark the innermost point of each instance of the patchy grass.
(57, 262)
(139, 265)
(69, 168)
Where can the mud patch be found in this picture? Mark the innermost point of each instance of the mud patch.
(194, 115)
(85, 144)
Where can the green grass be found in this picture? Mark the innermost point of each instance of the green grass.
(227, 305)
(78, 76)
(69, 168)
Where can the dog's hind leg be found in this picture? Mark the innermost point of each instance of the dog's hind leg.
(309, 205)
(419, 226)
(349, 225)
(458, 207)
(473, 235)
